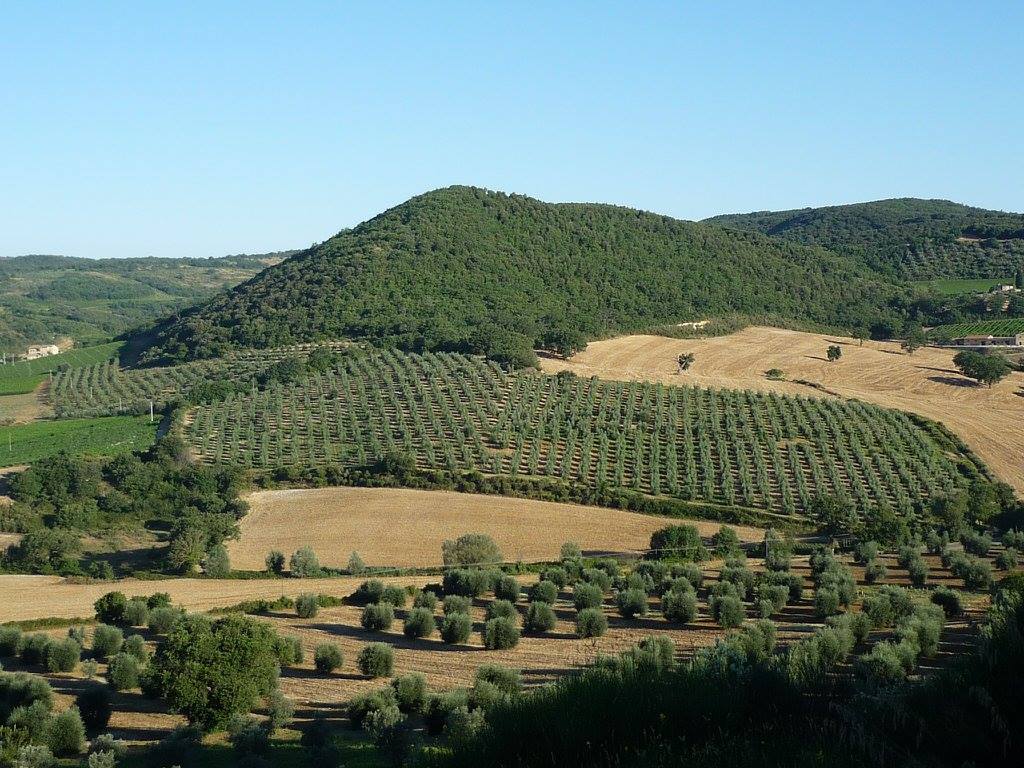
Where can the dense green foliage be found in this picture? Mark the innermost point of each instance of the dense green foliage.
(24, 375)
(471, 270)
(907, 237)
(97, 299)
(107, 436)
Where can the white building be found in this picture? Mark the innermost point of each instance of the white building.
(42, 350)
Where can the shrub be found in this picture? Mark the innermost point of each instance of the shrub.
(101, 759)
(355, 564)
(976, 543)
(500, 634)
(217, 563)
(728, 611)
(857, 625)
(875, 571)
(587, 596)
(275, 562)
(470, 549)
(456, 628)
(425, 599)
(180, 747)
(123, 672)
(440, 706)
(378, 617)
(10, 641)
(376, 660)
(370, 591)
(90, 668)
(679, 542)
(866, 551)
(135, 645)
(544, 592)
(725, 542)
(456, 604)
(394, 595)
(631, 603)
(591, 622)
(597, 577)
(248, 736)
(556, 576)
(105, 742)
(507, 680)
(501, 608)
(288, 650)
(689, 571)
(976, 574)
(33, 648)
(95, 708)
(110, 607)
(304, 563)
(410, 692)
(1007, 559)
(34, 756)
(884, 665)
(570, 550)
(468, 583)
(917, 569)
(506, 587)
(776, 594)
(826, 601)
(360, 707)
(306, 605)
(540, 617)
(948, 600)
(1013, 539)
(162, 618)
(136, 612)
(327, 657)
(63, 655)
(106, 641)
(280, 710)
(418, 623)
(65, 733)
(739, 574)
(680, 607)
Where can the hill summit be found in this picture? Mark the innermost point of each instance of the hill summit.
(467, 269)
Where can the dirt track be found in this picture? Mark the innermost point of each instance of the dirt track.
(990, 421)
(400, 527)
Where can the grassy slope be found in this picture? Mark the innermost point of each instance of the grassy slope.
(467, 269)
(23, 443)
(24, 376)
(911, 238)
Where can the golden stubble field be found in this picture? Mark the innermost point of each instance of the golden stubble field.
(989, 420)
(405, 528)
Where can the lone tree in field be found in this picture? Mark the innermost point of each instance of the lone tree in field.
(685, 360)
(985, 369)
(470, 549)
(913, 339)
(834, 352)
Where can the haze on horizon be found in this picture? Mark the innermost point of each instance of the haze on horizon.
(201, 131)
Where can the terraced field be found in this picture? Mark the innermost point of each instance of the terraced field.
(981, 328)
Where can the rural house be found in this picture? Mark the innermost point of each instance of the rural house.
(41, 350)
(1016, 340)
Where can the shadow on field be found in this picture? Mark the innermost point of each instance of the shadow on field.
(394, 640)
(953, 382)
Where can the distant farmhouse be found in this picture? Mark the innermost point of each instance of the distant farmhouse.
(1016, 340)
(42, 350)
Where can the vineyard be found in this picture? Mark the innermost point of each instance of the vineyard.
(23, 376)
(759, 450)
(980, 328)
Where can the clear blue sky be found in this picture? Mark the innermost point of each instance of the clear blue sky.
(200, 129)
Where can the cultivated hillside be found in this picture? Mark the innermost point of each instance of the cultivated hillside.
(95, 299)
(906, 237)
(472, 270)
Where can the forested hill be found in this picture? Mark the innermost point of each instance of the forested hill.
(471, 270)
(906, 237)
(92, 300)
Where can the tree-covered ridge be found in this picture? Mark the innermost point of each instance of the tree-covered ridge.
(96, 299)
(471, 270)
(906, 237)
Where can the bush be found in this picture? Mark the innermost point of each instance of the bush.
(875, 571)
(857, 625)
(360, 707)
(544, 592)
(217, 563)
(866, 551)
(136, 646)
(1007, 559)
(63, 655)
(106, 641)
(884, 665)
(425, 599)
(917, 569)
(976, 543)
(33, 648)
(680, 607)
(394, 595)
(976, 574)
(728, 611)
(418, 623)
(776, 594)
(370, 591)
(506, 680)
(275, 562)
(1013, 539)
(540, 617)
(682, 542)
(440, 706)
(306, 605)
(65, 733)
(570, 551)
(95, 708)
(34, 756)
(248, 736)
(410, 692)
(500, 634)
(123, 672)
(597, 577)
(288, 650)
(470, 549)
(501, 608)
(456, 604)
(507, 588)
(355, 564)
(10, 641)
(556, 576)
(468, 583)
(378, 617)
(304, 563)
(826, 602)
(689, 571)
(949, 601)
(161, 619)
(456, 628)
(591, 622)
(587, 596)
(631, 603)
(280, 710)
(180, 747)
(376, 660)
(327, 657)
(725, 542)
(136, 612)
(110, 608)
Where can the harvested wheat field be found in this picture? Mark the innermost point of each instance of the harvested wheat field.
(405, 528)
(989, 420)
(35, 597)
